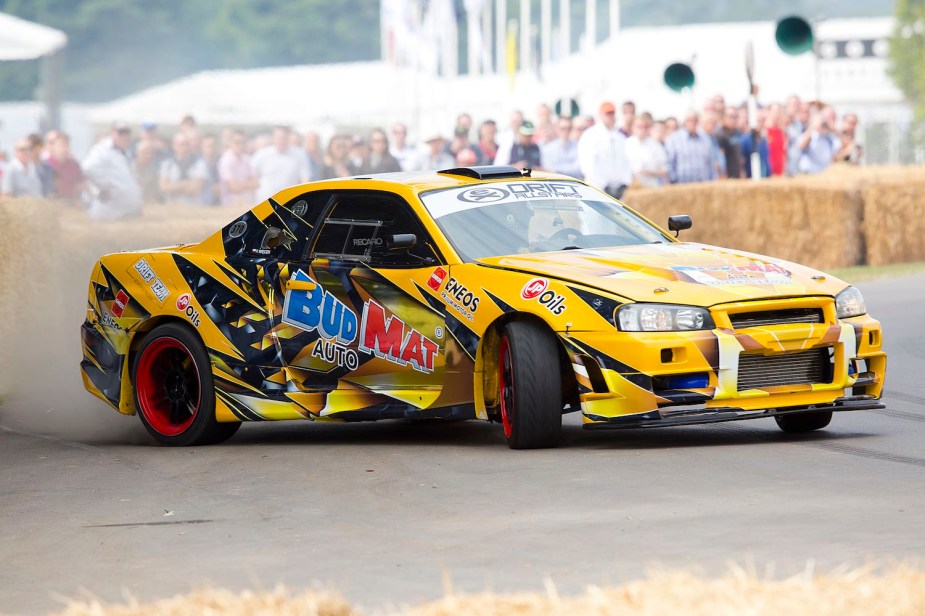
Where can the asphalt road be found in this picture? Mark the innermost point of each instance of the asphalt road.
(387, 512)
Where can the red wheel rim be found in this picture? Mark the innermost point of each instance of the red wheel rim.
(168, 387)
(506, 382)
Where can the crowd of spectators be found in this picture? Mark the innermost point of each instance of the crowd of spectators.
(610, 150)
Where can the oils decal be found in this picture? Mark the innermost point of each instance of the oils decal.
(184, 305)
(391, 339)
(319, 310)
(533, 288)
(538, 289)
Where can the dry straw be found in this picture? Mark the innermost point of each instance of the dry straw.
(855, 592)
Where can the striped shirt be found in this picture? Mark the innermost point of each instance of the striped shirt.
(690, 157)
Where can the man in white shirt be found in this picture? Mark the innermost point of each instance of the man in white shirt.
(405, 154)
(647, 156)
(21, 178)
(602, 154)
(111, 171)
(507, 138)
(184, 175)
(278, 165)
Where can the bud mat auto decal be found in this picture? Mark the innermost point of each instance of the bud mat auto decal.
(538, 289)
(184, 305)
(385, 337)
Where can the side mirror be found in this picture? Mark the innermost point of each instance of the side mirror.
(679, 223)
(401, 241)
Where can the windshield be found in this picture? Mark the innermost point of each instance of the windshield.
(509, 218)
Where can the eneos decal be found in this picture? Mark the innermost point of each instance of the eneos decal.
(460, 298)
(118, 306)
(538, 289)
(436, 278)
(184, 305)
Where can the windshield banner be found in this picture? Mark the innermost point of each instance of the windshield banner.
(444, 202)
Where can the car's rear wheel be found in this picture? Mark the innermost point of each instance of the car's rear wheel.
(530, 386)
(799, 423)
(174, 392)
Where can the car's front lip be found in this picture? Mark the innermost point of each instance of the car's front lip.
(687, 417)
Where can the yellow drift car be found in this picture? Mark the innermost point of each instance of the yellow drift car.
(479, 292)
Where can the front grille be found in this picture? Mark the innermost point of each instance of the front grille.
(760, 371)
(776, 317)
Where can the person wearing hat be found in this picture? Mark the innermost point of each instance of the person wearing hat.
(435, 156)
(525, 154)
(602, 154)
(111, 172)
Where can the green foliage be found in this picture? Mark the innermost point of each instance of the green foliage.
(907, 50)
(120, 46)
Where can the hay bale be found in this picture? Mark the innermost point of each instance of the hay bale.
(894, 221)
(817, 225)
(854, 592)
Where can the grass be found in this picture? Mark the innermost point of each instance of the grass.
(860, 273)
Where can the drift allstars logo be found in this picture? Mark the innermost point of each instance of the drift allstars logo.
(379, 335)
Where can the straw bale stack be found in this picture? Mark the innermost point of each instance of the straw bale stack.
(815, 224)
(894, 221)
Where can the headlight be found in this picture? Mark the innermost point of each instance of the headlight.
(849, 303)
(662, 318)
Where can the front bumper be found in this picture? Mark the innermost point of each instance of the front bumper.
(654, 378)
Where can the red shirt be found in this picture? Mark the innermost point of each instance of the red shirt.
(67, 177)
(777, 151)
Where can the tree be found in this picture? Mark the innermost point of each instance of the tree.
(907, 49)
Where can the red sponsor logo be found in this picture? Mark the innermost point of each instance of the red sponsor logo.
(118, 306)
(389, 338)
(534, 288)
(183, 301)
(436, 279)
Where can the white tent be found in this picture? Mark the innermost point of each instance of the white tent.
(628, 66)
(25, 40)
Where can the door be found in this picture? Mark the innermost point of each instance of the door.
(354, 323)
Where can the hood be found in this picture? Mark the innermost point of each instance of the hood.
(693, 274)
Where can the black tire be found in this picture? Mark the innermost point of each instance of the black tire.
(799, 423)
(530, 386)
(174, 391)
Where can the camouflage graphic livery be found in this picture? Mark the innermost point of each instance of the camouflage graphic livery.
(468, 293)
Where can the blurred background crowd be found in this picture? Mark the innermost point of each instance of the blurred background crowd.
(618, 147)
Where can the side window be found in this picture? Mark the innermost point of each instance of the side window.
(283, 234)
(374, 228)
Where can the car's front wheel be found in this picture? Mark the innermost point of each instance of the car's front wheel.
(798, 423)
(530, 386)
(174, 392)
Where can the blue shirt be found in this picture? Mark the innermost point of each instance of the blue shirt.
(690, 157)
